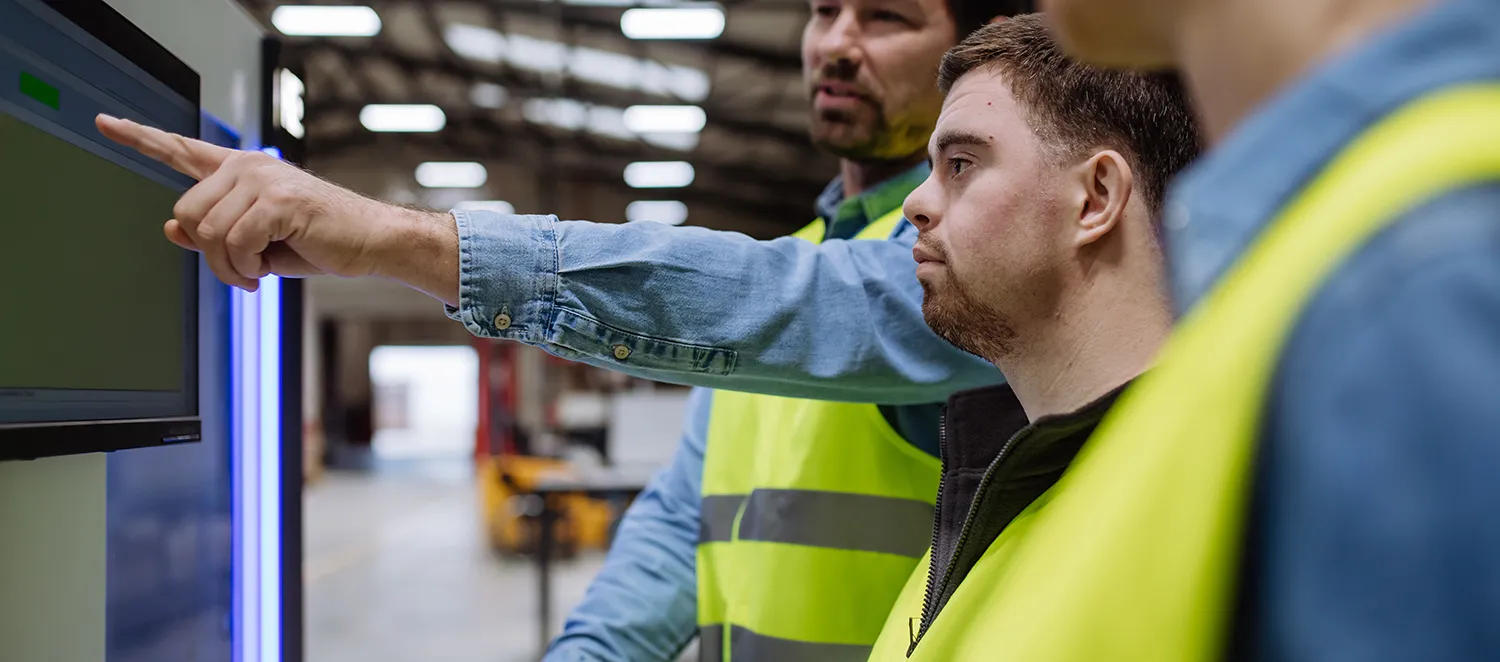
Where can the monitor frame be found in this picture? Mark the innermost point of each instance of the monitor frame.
(29, 441)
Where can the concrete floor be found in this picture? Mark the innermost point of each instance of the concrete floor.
(397, 570)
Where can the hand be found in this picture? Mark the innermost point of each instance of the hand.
(251, 215)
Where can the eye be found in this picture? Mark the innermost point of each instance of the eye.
(826, 11)
(887, 16)
(957, 166)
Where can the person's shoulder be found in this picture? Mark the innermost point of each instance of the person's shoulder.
(1408, 325)
(1421, 258)
(1374, 485)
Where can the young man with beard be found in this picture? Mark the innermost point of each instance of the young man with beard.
(1039, 250)
(1308, 472)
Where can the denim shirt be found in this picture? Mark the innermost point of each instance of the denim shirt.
(1373, 533)
(841, 320)
(642, 606)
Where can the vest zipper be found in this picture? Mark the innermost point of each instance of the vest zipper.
(928, 599)
(934, 587)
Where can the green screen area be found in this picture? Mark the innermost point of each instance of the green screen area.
(90, 291)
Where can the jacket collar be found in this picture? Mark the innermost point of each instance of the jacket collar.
(980, 422)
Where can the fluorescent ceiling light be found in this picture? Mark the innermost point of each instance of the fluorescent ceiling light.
(574, 115)
(682, 142)
(446, 174)
(569, 114)
(665, 119)
(488, 95)
(587, 64)
(497, 206)
(670, 212)
(475, 43)
(408, 118)
(659, 174)
(673, 23)
(326, 21)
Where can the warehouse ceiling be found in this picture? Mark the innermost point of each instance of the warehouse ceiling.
(544, 84)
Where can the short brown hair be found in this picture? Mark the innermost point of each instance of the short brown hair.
(1076, 107)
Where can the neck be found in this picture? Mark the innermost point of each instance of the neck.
(1236, 54)
(861, 176)
(1101, 334)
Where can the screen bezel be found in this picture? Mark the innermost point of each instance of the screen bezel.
(25, 441)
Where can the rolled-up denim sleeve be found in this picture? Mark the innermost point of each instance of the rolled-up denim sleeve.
(841, 320)
(643, 604)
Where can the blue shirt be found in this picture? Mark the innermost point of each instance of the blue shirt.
(841, 320)
(1373, 530)
(642, 605)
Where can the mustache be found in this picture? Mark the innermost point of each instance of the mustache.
(844, 73)
(931, 247)
(839, 70)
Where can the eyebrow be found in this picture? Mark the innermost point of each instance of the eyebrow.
(948, 139)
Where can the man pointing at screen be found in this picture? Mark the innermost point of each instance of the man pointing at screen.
(870, 69)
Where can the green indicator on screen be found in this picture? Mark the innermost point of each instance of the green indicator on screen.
(38, 89)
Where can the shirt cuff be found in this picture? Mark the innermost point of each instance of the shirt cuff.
(507, 274)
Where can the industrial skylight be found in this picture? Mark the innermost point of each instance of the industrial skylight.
(670, 212)
(403, 118)
(582, 62)
(451, 174)
(659, 174)
(575, 115)
(665, 119)
(326, 21)
(673, 23)
(488, 95)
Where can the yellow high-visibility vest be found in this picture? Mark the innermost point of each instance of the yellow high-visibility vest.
(813, 516)
(1132, 555)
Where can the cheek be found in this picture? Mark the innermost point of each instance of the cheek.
(910, 70)
(1001, 239)
(979, 242)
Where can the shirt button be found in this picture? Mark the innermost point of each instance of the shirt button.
(622, 352)
(502, 321)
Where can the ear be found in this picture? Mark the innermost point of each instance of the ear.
(1107, 183)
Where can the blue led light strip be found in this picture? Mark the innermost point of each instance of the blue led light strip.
(256, 347)
(269, 297)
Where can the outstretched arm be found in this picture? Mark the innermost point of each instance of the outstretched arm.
(840, 320)
(837, 321)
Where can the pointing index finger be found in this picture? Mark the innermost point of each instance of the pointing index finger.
(194, 158)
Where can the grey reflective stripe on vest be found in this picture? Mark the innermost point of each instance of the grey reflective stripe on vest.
(716, 517)
(711, 643)
(838, 520)
(747, 646)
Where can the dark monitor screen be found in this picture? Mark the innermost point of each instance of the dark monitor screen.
(98, 312)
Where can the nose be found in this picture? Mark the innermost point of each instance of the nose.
(919, 207)
(840, 41)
